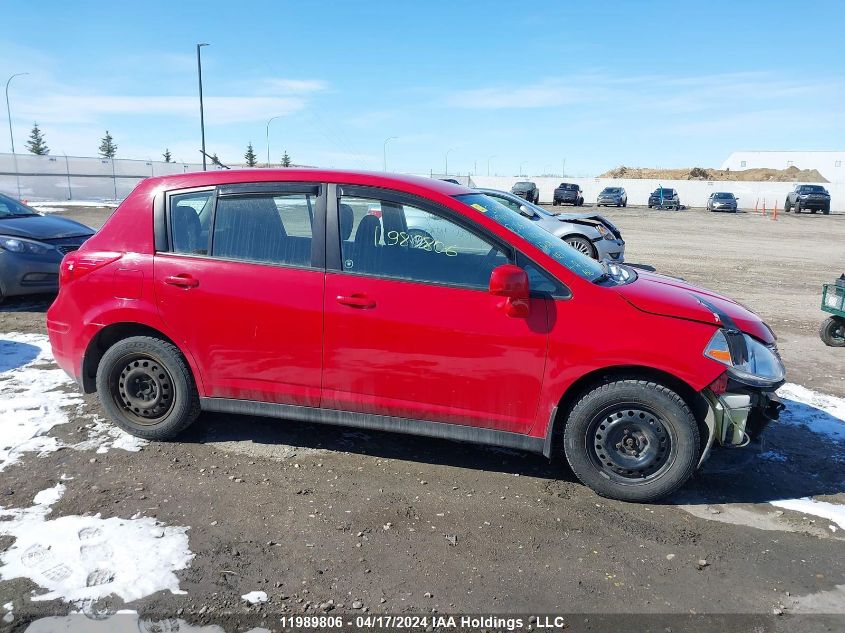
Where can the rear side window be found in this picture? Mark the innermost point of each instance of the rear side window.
(265, 228)
(406, 242)
(190, 215)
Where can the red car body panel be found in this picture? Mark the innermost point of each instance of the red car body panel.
(421, 351)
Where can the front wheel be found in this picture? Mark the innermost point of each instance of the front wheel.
(632, 440)
(146, 387)
(832, 331)
(582, 245)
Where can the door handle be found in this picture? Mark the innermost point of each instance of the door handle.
(356, 301)
(182, 281)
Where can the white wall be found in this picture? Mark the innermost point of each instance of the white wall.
(824, 162)
(59, 177)
(693, 193)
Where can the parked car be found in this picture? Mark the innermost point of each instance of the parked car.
(663, 198)
(528, 190)
(32, 246)
(722, 201)
(810, 197)
(592, 234)
(568, 193)
(217, 291)
(612, 196)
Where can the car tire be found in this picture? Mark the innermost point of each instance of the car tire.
(826, 211)
(582, 245)
(832, 331)
(632, 440)
(625, 204)
(619, 204)
(143, 371)
(797, 208)
(786, 207)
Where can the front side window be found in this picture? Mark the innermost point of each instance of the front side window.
(402, 241)
(264, 228)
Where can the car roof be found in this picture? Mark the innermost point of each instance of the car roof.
(402, 182)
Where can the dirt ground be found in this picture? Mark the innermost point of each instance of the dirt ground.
(378, 523)
(757, 174)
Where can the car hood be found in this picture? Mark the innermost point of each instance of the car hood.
(666, 296)
(43, 227)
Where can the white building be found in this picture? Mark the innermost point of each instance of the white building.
(831, 165)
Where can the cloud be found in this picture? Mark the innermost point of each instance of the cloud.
(294, 86)
(66, 108)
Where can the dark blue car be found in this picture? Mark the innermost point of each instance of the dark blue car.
(32, 246)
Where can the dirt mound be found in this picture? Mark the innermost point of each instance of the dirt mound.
(791, 174)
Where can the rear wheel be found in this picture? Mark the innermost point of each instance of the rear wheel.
(832, 331)
(147, 388)
(826, 210)
(582, 245)
(632, 440)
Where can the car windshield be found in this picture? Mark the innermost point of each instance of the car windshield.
(723, 196)
(665, 192)
(524, 185)
(611, 190)
(812, 189)
(554, 247)
(11, 208)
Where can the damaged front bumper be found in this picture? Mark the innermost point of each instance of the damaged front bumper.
(738, 416)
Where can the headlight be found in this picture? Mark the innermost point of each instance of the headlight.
(604, 232)
(747, 359)
(20, 245)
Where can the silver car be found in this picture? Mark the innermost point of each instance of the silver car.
(592, 234)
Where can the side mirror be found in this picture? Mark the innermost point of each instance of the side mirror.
(528, 213)
(511, 282)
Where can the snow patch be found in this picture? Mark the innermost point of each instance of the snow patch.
(255, 597)
(9, 616)
(123, 622)
(82, 559)
(818, 412)
(773, 456)
(830, 511)
(35, 396)
(32, 400)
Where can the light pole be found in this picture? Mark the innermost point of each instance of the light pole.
(11, 134)
(384, 149)
(270, 120)
(488, 164)
(202, 115)
(447, 159)
(563, 169)
(520, 166)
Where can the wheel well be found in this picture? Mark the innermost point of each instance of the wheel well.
(694, 400)
(103, 340)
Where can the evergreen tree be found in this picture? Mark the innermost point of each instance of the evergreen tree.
(251, 158)
(36, 144)
(167, 156)
(108, 148)
(285, 159)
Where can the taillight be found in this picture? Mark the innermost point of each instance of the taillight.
(75, 264)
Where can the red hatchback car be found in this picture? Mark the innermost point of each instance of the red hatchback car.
(444, 314)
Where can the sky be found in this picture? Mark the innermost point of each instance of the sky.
(517, 87)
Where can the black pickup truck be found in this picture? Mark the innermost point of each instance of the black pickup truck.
(568, 193)
(807, 197)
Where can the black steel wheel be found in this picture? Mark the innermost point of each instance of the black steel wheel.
(147, 388)
(832, 331)
(143, 386)
(629, 443)
(632, 440)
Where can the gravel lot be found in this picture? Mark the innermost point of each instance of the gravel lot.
(390, 524)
